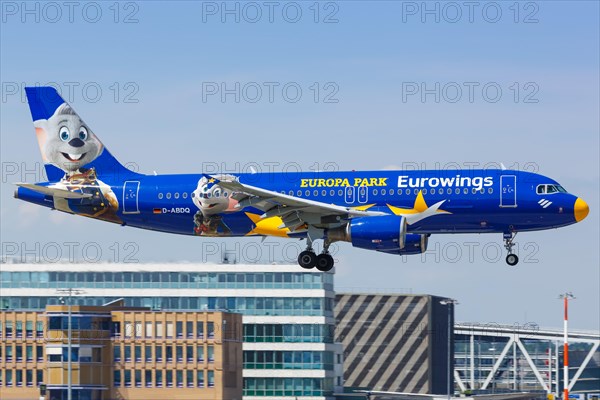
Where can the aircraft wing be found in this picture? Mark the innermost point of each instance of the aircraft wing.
(55, 192)
(294, 211)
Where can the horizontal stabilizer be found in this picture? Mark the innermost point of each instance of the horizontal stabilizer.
(55, 192)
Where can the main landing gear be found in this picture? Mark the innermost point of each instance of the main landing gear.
(511, 258)
(308, 259)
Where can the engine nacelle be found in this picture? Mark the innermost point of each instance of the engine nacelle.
(384, 233)
(413, 244)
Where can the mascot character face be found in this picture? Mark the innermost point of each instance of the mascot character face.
(66, 141)
(211, 199)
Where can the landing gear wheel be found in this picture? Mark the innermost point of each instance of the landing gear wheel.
(512, 259)
(324, 262)
(307, 259)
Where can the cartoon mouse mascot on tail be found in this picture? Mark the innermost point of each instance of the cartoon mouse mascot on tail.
(68, 143)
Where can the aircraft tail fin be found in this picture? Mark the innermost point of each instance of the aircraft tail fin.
(68, 145)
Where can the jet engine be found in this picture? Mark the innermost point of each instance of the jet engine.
(384, 233)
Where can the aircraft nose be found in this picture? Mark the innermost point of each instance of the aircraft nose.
(581, 209)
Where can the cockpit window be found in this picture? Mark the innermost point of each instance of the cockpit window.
(541, 189)
(549, 189)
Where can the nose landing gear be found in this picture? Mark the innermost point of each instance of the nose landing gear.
(511, 259)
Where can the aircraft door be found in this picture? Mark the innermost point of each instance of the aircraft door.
(131, 190)
(349, 195)
(508, 191)
(363, 194)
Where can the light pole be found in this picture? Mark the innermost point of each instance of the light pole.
(565, 297)
(450, 303)
(69, 292)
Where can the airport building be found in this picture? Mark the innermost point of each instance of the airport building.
(119, 352)
(396, 343)
(289, 350)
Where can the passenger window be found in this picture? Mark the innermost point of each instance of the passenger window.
(299, 193)
(185, 195)
(160, 195)
(168, 195)
(176, 195)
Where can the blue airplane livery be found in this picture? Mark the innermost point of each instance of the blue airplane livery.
(392, 212)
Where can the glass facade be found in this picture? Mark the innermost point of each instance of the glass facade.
(288, 360)
(166, 280)
(288, 386)
(288, 333)
(278, 306)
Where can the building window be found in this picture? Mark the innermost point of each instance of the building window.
(138, 329)
(29, 329)
(200, 329)
(211, 378)
(19, 353)
(117, 378)
(138, 378)
(200, 353)
(148, 329)
(9, 333)
(179, 329)
(128, 329)
(169, 330)
(39, 377)
(117, 353)
(189, 329)
(189, 377)
(159, 378)
(169, 353)
(39, 329)
(138, 353)
(19, 377)
(148, 350)
(179, 378)
(127, 378)
(148, 378)
(211, 353)
(159, 353)
(189, 353)
(19, 329)
(169, 377)
(9, 354)
(159, 330)
(127, 353)
(200, 379)
(179, 353)
(211, 330)
(9, 376)
(29, 353)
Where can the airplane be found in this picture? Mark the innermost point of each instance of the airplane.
(392, 212)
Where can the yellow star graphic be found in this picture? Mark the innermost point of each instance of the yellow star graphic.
(420, 206)
(211, 180)
(266, 226)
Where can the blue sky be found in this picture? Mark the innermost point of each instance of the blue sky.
(364, 60)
